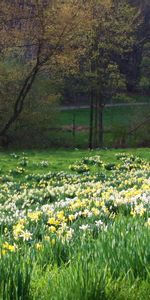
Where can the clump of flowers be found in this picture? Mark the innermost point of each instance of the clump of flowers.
(79, 168)
(14, 155)
(110, 166)
(93, 160)
(23, 162)
(17, 171)
(43, 164)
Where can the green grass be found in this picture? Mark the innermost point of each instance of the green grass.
(113, 116)
(117, 122)
(59, 160)
(106, 269)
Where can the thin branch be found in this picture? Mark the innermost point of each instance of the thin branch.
(147, 120)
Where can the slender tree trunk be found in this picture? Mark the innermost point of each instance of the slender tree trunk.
(101, 129)
(27, 85)
(18, 107)
(96, 123)
(91, 120)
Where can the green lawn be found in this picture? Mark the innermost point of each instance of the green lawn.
(113, 116)
(117, 122)
(59, 160)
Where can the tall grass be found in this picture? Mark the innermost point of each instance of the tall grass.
(113, 265)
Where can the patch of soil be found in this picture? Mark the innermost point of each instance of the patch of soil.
(77, 128)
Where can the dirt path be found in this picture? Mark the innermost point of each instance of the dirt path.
(73, 107)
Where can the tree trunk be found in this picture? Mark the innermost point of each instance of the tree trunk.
(101, 129)
(96, 123)
(18, 107)
(91, 121)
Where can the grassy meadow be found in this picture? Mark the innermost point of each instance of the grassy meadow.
(123, 115)
(118, 122)
(75, 225)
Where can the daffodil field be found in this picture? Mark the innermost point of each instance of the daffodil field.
(82, 233)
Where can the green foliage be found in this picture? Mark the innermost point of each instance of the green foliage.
(124, 98)
(40, 109)
(145, 69)
(92, 53)
(11, 76)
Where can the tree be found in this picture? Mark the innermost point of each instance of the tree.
(44, 31)
(112, 38)
(131, 65)
(145, 69)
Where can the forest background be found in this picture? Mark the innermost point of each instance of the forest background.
(74, 73)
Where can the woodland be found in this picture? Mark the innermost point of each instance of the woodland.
(57, 53)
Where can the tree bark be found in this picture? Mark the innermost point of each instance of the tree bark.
(27, 85)
(96, 123)
(101, 129)
(91, 120)
(18, 107)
